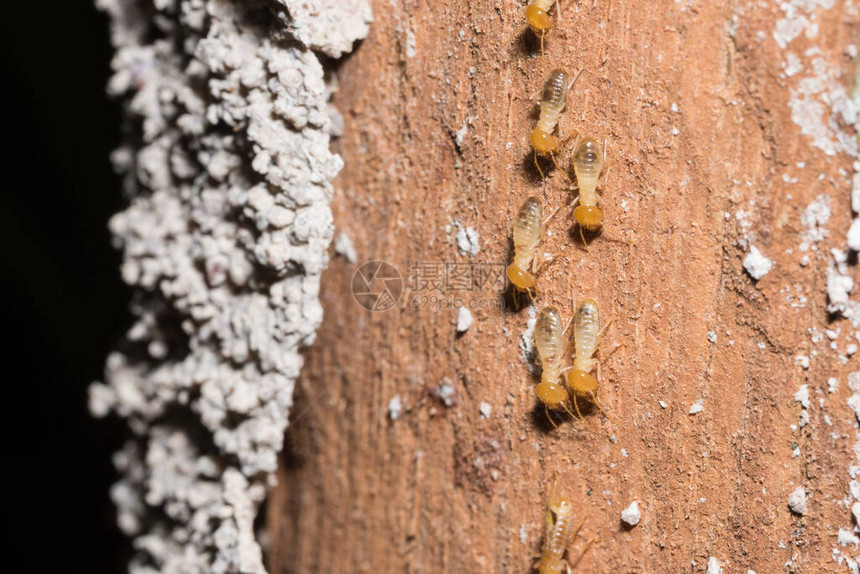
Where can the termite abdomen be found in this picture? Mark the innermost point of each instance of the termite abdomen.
(555, 89)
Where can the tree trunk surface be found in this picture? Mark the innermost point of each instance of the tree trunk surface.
(704, 161)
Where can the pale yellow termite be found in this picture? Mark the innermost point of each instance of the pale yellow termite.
(528, 228)
(558, 533)
(549, 340)
(587, 163)
(586, 337)
(553, 100)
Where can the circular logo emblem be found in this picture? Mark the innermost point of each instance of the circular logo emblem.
(377, 286)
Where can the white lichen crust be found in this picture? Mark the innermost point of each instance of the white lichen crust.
(226, 166)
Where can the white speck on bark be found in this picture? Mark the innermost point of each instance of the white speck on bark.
(527, 342)
(797, 501)
(447, 392)
(467, 239)
(697, 407)
(756, 264)
(395, 407)
(343, 246)
(802, 396)
(486, 409)
(464, 320)
(461, 134)
(847, 537)
(814, 218)
(714, 566)
(854, 235)
(631, 514)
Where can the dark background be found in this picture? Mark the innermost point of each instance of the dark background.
(62, 304)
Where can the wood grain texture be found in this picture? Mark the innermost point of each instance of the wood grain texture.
(442, 489)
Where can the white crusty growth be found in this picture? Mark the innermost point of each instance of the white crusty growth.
(226, 167)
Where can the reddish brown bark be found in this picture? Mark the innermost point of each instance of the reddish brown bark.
(442, 489)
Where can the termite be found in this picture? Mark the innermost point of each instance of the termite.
(528, 228)
(538, 19)
(552, 102)
(558, 534)
(549, 340)
(586, 338)
(587, 163)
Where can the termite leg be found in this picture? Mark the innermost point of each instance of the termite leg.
(573, 536)
(587, 546)
(606, 174)
(570, 85)
(558, 167)
(615, 348)
(549, 261)
(603, 330)
(582, 236)
(569, 321)
(558, 8)
(551, 215)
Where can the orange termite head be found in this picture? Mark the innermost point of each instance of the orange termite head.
(522, 280)
(552, 395)
(543, 142)
(581, 382)
(538, 20)
(590, 217)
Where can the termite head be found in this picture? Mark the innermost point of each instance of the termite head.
(552, 395)
(538, 20)
(522, 280)
(581, 382)
(543, 142)
(590, 217)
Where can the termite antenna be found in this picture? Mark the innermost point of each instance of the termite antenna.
(546, 410)
(576, 406)
(537, 165)
(567, 409)
(582, 236)
(596, 402)
(558, 167)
